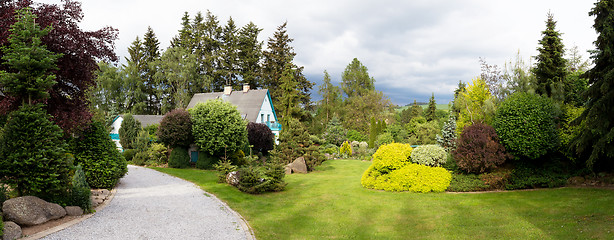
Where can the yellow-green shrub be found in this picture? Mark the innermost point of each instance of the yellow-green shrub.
(345, 150)
(392, 156)
(412, 177)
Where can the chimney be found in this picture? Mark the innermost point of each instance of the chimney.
(227, 90)
(245, 87)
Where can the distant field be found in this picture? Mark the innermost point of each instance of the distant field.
(439, 106)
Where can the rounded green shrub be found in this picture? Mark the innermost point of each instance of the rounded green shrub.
(218, 127)
(345, 150)
(179, 158)
(525, 123)
(207, 161)
(80, 194)
(429, 155)
(102, 163)
(259, 179)
(384, 138)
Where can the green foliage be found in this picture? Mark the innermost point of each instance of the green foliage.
(525, 123)
(142, 141)
(550, 68)
(257, 179)
(594, 143)
(526, 175)
(224, 167)
(479, 149)
(207, 161)
(447, 139)
(429, 155)
(345, 150)
(354, 135)
(411, 112)
(96, 152)
(129, 154)
(466, 183)
(152, 130)
(331, 99)
(450, 164)
(176, 68)
(28, 60)
(218, 127)
(383, 139)
(568, 131)
(294, 142)
(360, 109)
(375, 129)
(334, 133)
(411, 177)
(422, 132)
(79, 194)
(176, 129)
(355, 80)
(128, 131)
(179, 158)
(140, 158)
(398, 132)
(158, 153)
(32, 154)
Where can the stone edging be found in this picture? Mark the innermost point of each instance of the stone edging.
(74, 221)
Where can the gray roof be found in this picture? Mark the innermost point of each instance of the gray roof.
(147, 120)
(248, 103)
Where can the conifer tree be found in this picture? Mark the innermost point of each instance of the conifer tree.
(356, 80)
(151, 53)
(550, 70)
(134, 68)
(28, 60)
(250, 54)
(595, 140)
(331, 98)
(229, 53)
(432, 109)
(277, 57)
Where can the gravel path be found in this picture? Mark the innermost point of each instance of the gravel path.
(152, 205)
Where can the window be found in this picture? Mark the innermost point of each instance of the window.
(268, 117)
(262, 117)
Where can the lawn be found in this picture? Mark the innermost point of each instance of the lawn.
(331, 204)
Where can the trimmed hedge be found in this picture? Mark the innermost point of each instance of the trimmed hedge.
(429, 155)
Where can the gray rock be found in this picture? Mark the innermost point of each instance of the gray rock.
(233, 178)
(73, 211)
(30, 210)
(299, 166)
(11, 231)
(288, 169)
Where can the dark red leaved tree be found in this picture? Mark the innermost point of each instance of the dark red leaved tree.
(82, 49)
(175, 129)
(478, 149)
(260, 137)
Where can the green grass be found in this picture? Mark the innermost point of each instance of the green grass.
(331, 204)
(439, 107)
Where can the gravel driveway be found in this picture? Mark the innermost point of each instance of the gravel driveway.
(152, 205)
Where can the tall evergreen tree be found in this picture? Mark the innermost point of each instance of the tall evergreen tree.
(595, 140)
(151, 53)
(28, 60)
(277, 57)
(431, 109)
(289, 97)
(134, 85)
(356, 80)
(550, 70)
(331, 98)
(230, 53)
(250, 55)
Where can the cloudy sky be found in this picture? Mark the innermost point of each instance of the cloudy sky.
(411, 48)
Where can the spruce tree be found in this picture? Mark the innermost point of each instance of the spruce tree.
(595, 140)
(229, 53)
(134, 85)
(550, 70)
(128, 131)
(277, 57)
(28, 60)
(431, 110)
(250, 55)
(151, 53)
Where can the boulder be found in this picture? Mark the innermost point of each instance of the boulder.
(298, 166)
(233, 178)
(288, 169)
(31, 210)
(73, 211)
(11, 231)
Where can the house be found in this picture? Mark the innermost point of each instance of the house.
(145, 121)
(255, 105)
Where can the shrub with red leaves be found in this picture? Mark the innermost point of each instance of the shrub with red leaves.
(260, 137)
(175, 129)
(478, 149)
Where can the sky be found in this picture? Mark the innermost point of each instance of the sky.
(411, 48)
